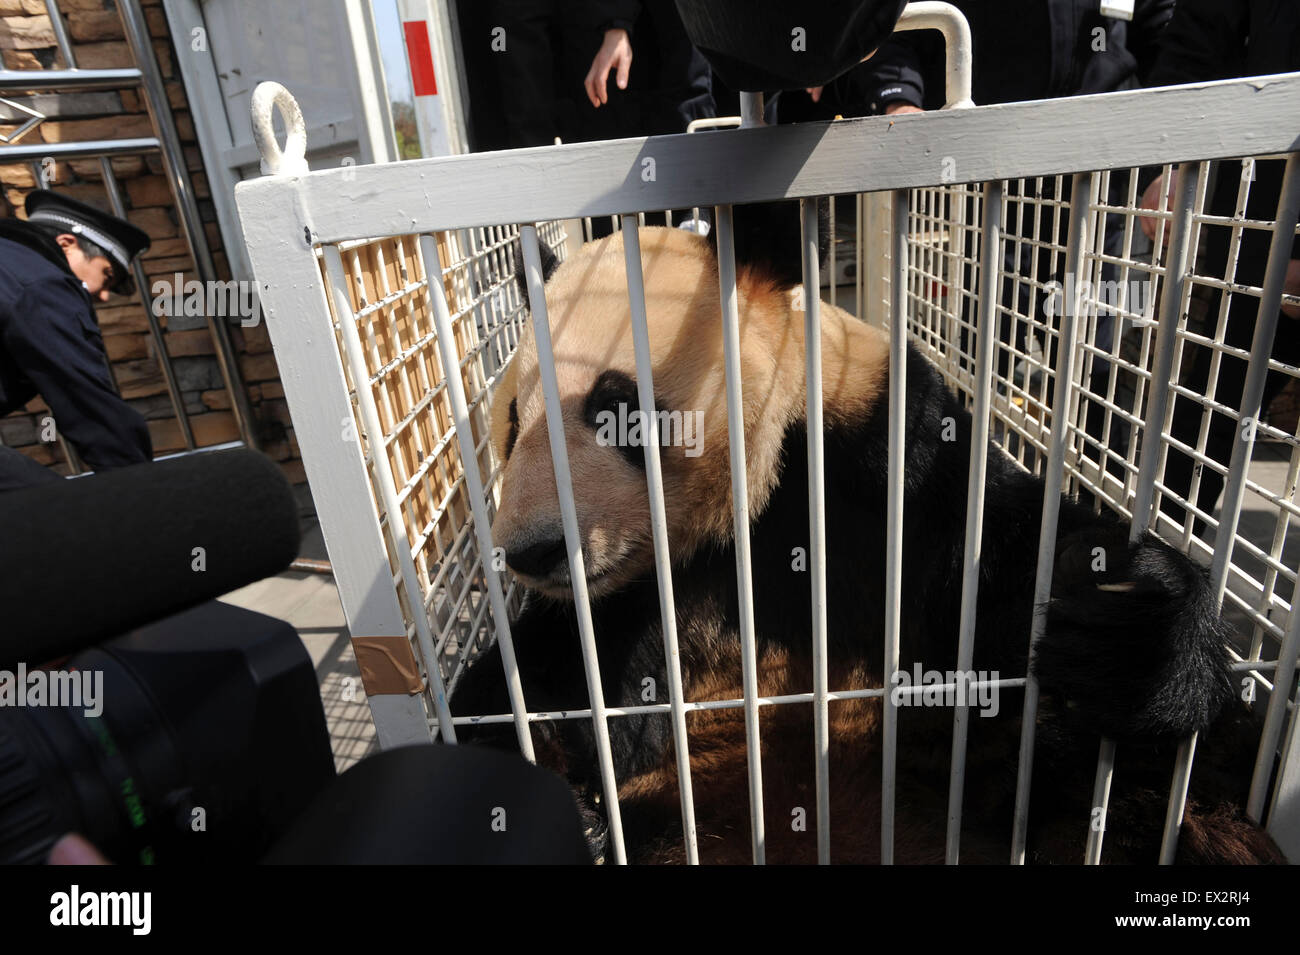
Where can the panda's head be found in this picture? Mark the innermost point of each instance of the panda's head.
(595, 365)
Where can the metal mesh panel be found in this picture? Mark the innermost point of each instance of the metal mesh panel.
(1119, 292)
(388, 295)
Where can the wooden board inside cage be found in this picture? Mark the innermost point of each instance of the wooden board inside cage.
(394, 316)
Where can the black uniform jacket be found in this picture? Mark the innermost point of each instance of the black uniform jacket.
(50, 344)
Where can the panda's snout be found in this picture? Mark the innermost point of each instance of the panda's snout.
(538, 558)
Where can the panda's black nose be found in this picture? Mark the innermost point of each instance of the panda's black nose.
(538, 559)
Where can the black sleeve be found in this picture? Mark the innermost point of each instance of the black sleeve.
(1144, 34)
(614, 14)
(892, 75)
(1146, 39)
(58, 346)
(1203, 41)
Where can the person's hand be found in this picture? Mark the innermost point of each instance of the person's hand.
(894, 109)
(815, 92)
(615, 52)
(1292, 287)
(1151, 200)
(73, 849)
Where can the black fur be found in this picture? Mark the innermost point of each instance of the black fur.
(767, 236)
(550, 262)
(1152, 660)
(614, 393)
(513, 434)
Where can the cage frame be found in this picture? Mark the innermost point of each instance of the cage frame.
(288, 217)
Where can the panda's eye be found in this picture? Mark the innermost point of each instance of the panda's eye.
(609, 411)
(514, 427)
(613, 393)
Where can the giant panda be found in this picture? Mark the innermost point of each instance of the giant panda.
(1135, 651)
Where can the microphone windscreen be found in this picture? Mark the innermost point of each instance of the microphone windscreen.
(87, 559)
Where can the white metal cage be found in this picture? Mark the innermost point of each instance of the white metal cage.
(387, 374)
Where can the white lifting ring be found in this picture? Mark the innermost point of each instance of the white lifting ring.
(292, 160)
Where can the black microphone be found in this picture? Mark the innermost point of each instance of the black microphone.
(85, 560)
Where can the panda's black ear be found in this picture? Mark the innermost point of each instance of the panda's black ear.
(550, 262)
(768, 237)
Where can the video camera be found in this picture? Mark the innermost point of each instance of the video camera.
(167, 727)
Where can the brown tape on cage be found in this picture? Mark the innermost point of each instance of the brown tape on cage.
(387, 665)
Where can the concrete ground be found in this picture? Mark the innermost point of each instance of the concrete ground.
(310, 602)
(1268, 468)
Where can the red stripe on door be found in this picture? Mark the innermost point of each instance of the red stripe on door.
(420, 57)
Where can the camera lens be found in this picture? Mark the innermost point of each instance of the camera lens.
(196, 739)
(107, 770)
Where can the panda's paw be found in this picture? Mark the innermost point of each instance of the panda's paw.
(595, 828)
(1134, 643)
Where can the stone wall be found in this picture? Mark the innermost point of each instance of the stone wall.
(94, 27)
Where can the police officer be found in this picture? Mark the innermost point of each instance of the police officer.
(52, 266)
